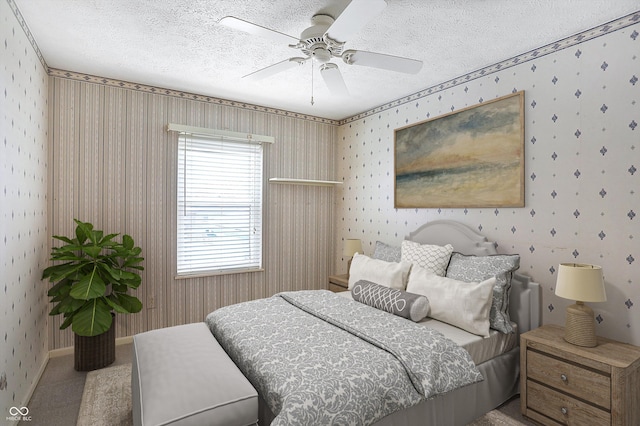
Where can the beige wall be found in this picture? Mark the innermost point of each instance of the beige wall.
(112, 163)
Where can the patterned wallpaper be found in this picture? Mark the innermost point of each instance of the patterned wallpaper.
(23, 212)
(114, 164)
(582, 165)
(582, 147)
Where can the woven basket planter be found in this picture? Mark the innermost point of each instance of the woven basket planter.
(94, 352)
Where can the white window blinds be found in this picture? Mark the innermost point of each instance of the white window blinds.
(219, 205)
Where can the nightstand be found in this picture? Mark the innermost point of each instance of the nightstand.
(338, 283)
(561, 383)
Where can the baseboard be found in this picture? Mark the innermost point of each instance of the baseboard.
(124, 340)
(55, 353)
(34, 384)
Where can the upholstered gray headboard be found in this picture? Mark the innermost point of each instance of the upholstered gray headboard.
(524, 299)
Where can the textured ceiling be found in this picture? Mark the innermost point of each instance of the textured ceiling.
(178, 44)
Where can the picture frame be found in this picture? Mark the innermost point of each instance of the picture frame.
(470, 158)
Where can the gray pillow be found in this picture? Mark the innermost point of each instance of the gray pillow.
(407, 305)
(480, 268)
(386, 252)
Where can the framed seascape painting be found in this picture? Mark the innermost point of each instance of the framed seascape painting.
(473, 157)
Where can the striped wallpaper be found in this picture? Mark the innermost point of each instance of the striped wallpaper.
(113, 163)
(87, 147)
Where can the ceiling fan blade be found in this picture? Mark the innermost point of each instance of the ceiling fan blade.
(275, 68)
(257, 30)
(380, 60)
(353, 18)
(333, 79)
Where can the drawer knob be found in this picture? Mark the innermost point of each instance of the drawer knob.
(564, 411)
(563, 377)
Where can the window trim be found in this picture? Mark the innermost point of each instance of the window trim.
(229, 136)
(224, 134)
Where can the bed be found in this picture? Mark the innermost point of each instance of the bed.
(495, 356)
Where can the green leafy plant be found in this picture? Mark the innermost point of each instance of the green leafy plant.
(92, 276)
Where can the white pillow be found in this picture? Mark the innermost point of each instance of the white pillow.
(388, 274)
(434, 258)
(462, 304)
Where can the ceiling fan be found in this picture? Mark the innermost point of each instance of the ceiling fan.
(324, 41)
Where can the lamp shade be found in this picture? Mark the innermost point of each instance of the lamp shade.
(351, 247)
(580, 282)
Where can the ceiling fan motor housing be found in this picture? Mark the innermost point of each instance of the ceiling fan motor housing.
(316, 44)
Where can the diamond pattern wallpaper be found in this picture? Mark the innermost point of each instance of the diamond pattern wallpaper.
(582, 164)
(582, 154)
(23, 213)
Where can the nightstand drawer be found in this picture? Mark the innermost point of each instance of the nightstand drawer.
(570, 378)
(600, 385)
(336, 288)
(562, 408)
(338, 283)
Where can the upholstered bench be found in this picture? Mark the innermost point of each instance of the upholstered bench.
(182, 376)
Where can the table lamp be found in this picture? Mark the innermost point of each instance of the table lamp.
(582, 283)
(351, 247)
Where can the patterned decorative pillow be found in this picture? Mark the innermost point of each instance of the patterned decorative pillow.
(464, 305)
(386, 252)
(388, 274)
(407, 305)
(479, 268)
(433, 258)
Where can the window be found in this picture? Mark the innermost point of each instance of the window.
(219, 226)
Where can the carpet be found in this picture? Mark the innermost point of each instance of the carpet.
(106, 399)
(496, 418)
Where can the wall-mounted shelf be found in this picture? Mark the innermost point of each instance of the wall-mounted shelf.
(312, 182)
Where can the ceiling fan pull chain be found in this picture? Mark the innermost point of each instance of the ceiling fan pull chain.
(323, 42)
(311, 83)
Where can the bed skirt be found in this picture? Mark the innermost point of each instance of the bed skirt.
(456, 408)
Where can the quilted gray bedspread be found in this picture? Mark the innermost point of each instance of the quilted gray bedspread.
(319, 359)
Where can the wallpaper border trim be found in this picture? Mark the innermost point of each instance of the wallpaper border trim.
(574, 40)
(72, 75)
(151, 89)
(16, 12)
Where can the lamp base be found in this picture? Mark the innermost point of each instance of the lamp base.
(580, 328)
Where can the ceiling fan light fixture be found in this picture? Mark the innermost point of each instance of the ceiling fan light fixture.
(321, 55)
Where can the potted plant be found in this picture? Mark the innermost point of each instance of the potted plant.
(91, 277)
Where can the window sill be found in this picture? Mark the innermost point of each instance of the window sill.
(217, 273)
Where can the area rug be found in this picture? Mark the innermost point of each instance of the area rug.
(496, 418)
(106, 399)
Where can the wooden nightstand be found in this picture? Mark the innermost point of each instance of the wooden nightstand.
(561, 383)
(338, 283)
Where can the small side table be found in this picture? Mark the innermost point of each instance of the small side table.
(338, 283)
(566, 384)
